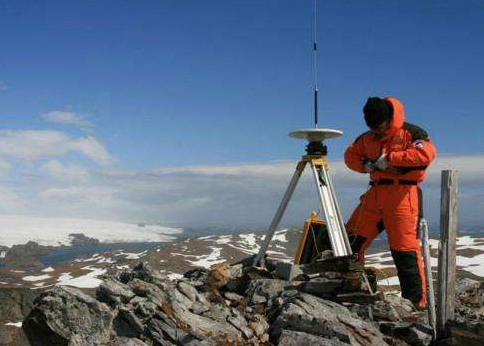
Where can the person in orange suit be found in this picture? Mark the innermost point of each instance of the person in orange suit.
(395, 154)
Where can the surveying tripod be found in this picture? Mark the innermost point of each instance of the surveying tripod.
(316, 159)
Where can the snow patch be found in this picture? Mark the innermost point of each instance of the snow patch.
(174, 276)
(123, 267)
(133, 256)
(105, 260)
(206, 237)
(64, 277)
(474, 265)
(206, 261)
(392, 281)
(85, 281)
(40, 284)
(280, 236)
(15, 324)
(248, 240)
(48, 270)
(224, 239)
(36, 278)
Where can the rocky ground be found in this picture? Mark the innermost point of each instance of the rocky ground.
(20, 284)
(240, 305)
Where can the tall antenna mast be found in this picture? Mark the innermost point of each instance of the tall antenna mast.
(315, 54)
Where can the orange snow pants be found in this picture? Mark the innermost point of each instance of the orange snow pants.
(394, 206)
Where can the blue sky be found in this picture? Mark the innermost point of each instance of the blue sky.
(132, 86)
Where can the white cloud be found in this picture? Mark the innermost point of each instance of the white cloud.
(44, 144)
(9, 200)
(92, 148)
(235, 196)
(61, 172)
(68, 118)
(4, 167)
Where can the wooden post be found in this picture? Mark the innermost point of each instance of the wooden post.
(447, 252)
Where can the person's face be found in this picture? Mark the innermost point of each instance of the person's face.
(380, 130)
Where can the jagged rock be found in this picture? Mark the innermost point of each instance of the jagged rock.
(470, 292)
(414, 334)
(218, 312)
(238, 285)
(202, 326)
(188, 290)
(310, 314)
(198, 301)
(178, 297)
(247, 262)
(164, 331)
(239, 322)
(395, 342)
(136, 300)
(241, 283)
(143, 271)
(218, 275)
(148, 290)
(259, 324)
(470, 320)
(254, 273)
(362, 311)
(236, 270)
(16, 303)
(322, 287)
(197, 274)
(199, 308)
(206, 342)
(264, 290)
(359, 297)
(124, 276)
(405, 309)
(294, 338)
(12, 336)
(65, 315)
(142, 306)
(354, 282)
(226, 305)
(113, 291)
(383, 310)
(127, 324)
(122, 341)
(234, 297)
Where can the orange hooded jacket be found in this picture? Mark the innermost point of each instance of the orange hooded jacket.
(408, 147)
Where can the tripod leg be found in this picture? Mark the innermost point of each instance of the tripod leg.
(280, 212)
(336, 230)
(338, 211)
